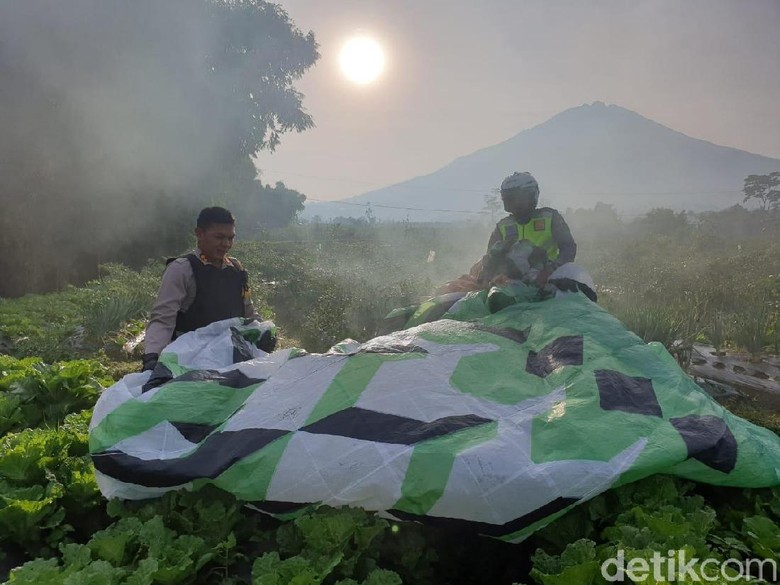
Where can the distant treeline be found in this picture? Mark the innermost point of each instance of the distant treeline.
(726, 227)
(119, 120)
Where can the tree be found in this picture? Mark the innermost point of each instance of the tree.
(120, 119)
(493, 204)
(268, 207)
(255, 59)
(764, 188)
(664, 222)
(600, 223)
(369, 214)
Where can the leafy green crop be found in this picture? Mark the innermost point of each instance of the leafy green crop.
(47, 486)
(129, 551)
(75, 322)
(33, 393)
(664, 518)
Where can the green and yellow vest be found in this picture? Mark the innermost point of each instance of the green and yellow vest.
(538, 231)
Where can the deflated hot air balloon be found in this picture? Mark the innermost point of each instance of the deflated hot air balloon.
(499, 410)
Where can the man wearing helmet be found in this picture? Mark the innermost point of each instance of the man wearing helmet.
(529, 243)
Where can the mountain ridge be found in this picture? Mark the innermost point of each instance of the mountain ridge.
(583, 155)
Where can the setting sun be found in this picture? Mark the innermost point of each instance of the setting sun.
(362, 60)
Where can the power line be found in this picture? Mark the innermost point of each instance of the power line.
(481, 212)
(646, 193)
(395, 206)
(493, 189)
(486, 191)
(364, 182)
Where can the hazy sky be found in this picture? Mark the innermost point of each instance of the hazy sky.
(461, 75)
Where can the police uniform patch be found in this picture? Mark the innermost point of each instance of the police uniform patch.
(538, 225)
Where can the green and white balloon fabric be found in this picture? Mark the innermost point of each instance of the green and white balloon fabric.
(501, 414)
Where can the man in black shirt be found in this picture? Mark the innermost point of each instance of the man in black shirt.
(199, 288)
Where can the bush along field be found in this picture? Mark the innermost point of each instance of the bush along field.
(670, 279)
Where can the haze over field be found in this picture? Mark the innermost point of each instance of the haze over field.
(119, 120)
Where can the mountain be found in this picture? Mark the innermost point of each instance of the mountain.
(581, 156)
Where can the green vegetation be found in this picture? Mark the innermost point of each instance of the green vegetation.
(674, 278)
(48, 493)
(78, 322)
(659, 515)
(33, 393)
(326, 282)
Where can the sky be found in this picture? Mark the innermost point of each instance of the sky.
(462, 75)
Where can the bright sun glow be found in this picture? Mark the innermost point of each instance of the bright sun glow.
(361, 60)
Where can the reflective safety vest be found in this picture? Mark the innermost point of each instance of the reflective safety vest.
(538, 231)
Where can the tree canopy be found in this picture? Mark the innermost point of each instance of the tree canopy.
(266, 207)
(119, 120)
(763, 188)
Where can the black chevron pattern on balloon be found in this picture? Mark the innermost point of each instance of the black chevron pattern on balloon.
(496, 530)
(230, 379)
(242, 349)
(392, 346)
(216, 454)
(564, 351)
(708, 440)
(618, 391)
(379, 427)
(280, 508)
(516, 335)
(160, 375)
(193, 432)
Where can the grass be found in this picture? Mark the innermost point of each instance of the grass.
(751, 329)
(323, 282)
(716, 331)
